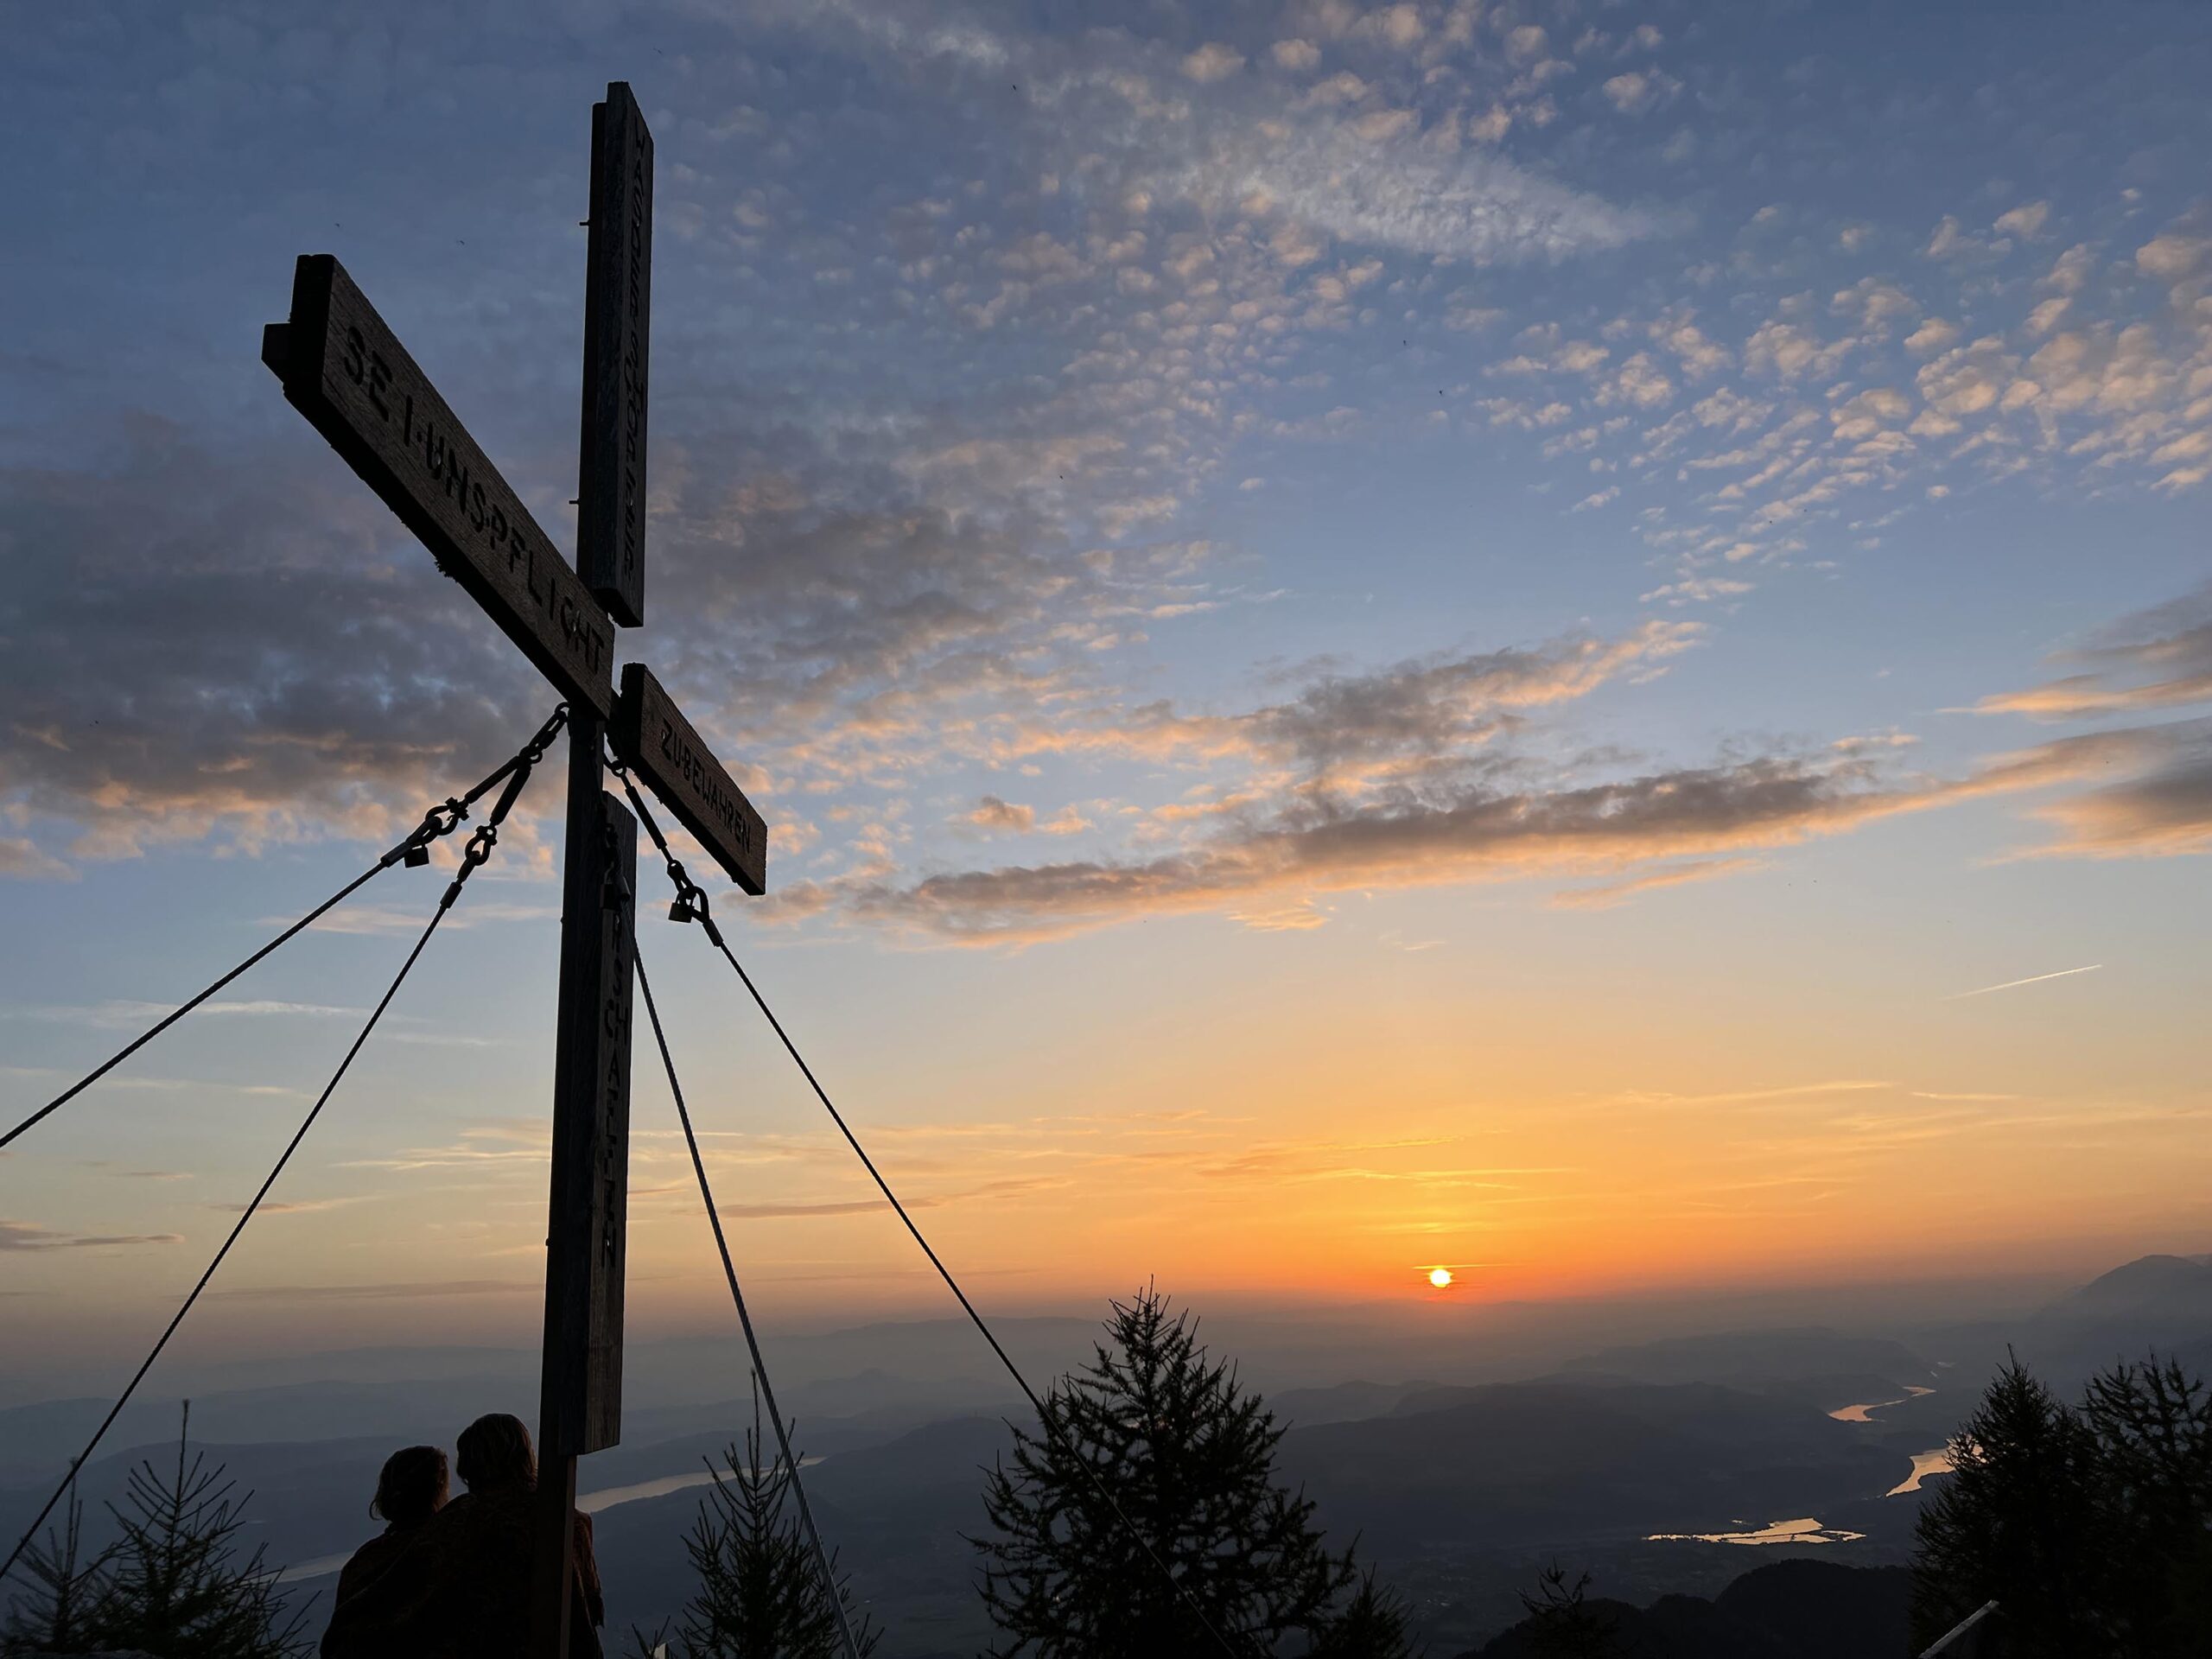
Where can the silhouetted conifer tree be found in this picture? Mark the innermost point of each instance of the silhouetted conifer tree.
(760, 1593)
(1373, 1625)
(2021, 1518)
(2092, 1528)
(2153, 1428)
(180, 1588)
(60, 1610)
(1561, 1623)
(1189, 1454)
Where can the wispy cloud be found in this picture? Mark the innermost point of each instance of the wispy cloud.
(2158, 658)
(1010, 1187)
(407, 1290)
(131, 1015)
(1450, 821)
(22, 1236)
(1608, 894)
(397, 921)
(108, 1167)
(163, 1085)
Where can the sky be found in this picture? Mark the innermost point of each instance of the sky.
(1560, 637)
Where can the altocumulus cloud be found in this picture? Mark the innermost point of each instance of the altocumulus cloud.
(1183, 125)
(1110, 257)
(239, 644)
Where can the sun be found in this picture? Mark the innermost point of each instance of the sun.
(1440, 1277)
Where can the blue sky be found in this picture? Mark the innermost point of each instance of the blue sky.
(1682, 521)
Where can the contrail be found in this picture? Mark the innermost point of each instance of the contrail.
(2032, 979)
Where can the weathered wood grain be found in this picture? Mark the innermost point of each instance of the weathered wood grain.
(652, 735)
(348, 372)
(617, 312)
(580, 1405)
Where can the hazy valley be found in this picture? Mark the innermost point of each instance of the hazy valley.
(1462, 1479)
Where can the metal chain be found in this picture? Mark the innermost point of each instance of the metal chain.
(691, 904)
(449, 814)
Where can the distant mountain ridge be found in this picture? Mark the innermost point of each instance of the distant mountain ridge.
(1789, 1609)
(2167, 1285)
(1757, 1357)
(1345, 1403)
(2155, 1303)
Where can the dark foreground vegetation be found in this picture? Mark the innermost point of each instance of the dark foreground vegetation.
(2090, 1525)
(1148, 1509)
(1791, 1610)
(177, 1582)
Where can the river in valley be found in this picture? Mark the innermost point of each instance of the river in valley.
(1807, 1529)
(590, 1502)
(1865, 1414)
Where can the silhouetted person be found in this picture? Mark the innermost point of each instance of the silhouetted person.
(480, 1555)
(384, 1573)
(459, 1584)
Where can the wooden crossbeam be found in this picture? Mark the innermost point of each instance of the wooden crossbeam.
(653, 738)
(348, 372)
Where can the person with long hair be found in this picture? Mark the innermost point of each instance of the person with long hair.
(410, 1490)
(482, 1556)
(453, 1580)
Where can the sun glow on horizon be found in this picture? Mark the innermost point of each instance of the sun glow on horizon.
(1200, 864)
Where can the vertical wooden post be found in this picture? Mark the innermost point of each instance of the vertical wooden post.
(618, 315)
(580, 1405)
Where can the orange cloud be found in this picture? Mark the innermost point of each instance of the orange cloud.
(1312, 844)
(2134, 667)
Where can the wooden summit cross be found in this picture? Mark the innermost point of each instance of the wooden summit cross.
(348, 372)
